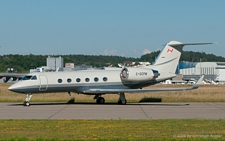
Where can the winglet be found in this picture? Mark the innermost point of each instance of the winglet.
(196, 85)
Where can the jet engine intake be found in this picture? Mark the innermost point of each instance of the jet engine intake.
(138, 74)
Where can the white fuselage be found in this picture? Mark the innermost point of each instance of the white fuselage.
(76, 81)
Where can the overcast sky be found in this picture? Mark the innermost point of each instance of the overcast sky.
(127, 28)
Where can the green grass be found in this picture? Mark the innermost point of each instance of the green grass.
(205, 93)
(168, 129)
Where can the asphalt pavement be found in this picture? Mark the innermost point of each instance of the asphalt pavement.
(113, 111)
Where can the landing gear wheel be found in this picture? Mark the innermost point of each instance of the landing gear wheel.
(122, 102)
(100, 100)
(26, 103)
(27, 99)
(122, 99)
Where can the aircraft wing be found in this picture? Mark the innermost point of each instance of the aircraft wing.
(103, 91)
(7, 76)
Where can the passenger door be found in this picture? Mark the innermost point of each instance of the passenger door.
(43, 83)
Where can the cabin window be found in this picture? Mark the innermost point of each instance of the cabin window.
(105, 79)
(69, 80)
(34, 77)
(27, 77)
(96, 79)
(60, 80)
(87, 79)
(78, 79)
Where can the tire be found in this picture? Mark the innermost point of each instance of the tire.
(100, 100)
(26, 104)
(122, 102)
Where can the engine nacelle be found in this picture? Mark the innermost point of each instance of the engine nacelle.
(138, 74)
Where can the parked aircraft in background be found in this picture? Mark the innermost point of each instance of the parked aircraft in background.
(115, 81)
(14, 76)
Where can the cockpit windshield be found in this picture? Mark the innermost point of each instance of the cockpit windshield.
(29, 77)
(34, 77)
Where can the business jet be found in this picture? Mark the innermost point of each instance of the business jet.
(111, 81)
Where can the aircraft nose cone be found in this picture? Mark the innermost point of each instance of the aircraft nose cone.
(14, 88)
(11, 88)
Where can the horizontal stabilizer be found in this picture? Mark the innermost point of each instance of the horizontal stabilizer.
(188, 44)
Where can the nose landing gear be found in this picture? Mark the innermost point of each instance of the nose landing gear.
(27, 99)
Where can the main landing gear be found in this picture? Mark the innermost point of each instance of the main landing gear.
(27, 99)
(99, 99)
(122, 99)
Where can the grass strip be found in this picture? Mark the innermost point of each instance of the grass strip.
(205, 93)
(163, 129)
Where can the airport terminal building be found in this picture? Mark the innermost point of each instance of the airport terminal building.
(214, 71)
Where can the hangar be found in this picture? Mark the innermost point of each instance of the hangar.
(214, 71)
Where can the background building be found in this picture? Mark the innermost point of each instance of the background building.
(54, 63)
(214, 71)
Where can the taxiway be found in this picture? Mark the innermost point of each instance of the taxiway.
(113, 111)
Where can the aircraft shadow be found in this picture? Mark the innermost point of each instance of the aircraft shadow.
(152, 102)
(150, 99)
(110, 103)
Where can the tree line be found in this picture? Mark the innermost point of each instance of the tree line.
(23, 63)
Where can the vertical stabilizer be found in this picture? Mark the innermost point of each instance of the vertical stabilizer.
(169, 57)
